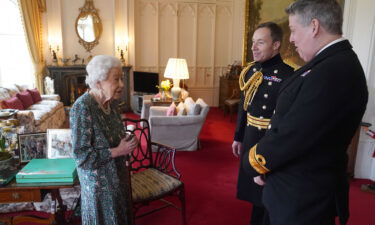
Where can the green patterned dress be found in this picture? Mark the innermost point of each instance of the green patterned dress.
(105, 191)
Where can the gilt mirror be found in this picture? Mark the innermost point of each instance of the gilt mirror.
(88, 26)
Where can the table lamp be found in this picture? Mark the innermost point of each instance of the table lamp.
(176, 69)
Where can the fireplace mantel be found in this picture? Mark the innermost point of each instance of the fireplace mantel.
(66, 77)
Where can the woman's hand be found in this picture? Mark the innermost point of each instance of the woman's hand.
(125, 147)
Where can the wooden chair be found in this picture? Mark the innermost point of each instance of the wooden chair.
(153, 172)
(231, 104)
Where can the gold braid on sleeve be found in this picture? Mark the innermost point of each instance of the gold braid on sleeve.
(251, 86)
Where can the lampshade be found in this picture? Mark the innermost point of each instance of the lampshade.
(176, 69)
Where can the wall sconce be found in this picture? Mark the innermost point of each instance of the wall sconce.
(54, 46)
(122, 48)
(54, 52)
(121, 52)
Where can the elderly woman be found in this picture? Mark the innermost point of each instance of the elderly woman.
(100, 146)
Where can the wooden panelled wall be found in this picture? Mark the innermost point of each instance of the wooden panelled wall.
(200, 32)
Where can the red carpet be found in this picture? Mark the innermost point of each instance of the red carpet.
(210, 177)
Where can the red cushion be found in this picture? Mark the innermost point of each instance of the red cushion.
(25, 98)
(35, 95)
(13, 103)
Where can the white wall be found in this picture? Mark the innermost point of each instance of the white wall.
(359, 28)
(209, 35)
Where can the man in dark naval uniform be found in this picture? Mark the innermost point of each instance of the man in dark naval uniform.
(259, 82)
(303, 153)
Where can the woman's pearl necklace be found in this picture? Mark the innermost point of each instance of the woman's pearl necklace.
(106, 110)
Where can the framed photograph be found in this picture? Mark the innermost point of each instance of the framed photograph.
(59, 144)
(32, 146)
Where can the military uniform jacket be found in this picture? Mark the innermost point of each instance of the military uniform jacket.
(275, 71)
(303, 154)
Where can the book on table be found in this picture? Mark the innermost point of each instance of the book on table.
(48, 170)
(7, 175)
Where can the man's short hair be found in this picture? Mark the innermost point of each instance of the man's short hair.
(328, 12)
(276, 31)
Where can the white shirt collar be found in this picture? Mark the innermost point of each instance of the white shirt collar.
(329, 44)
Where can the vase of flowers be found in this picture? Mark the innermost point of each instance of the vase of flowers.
(164, 88)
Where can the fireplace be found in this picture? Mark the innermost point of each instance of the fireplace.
(76, 85)
(69, 83)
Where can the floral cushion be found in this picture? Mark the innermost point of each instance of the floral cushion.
(50, 103)
(4, 95)
(25, 98)
(35, 95)
(151, 183)
(13, 103)
(40, 116)
(12, 90)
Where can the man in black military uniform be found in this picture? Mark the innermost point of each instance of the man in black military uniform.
(259, 82)
(303, 153)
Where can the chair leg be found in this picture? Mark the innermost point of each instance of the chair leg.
(181, 196)
(230, 113)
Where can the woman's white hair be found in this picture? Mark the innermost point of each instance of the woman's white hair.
(98, 68)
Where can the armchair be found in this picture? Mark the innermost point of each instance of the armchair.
(153, 172)
(180, 132)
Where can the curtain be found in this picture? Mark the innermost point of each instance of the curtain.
(31, 11)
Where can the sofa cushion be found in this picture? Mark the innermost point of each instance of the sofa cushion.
(13, 103)
(191, 107)
(40, 116)
(25, 98)
(35, 95)
(12, 90)
(21, 88)
(171, 110)
(181, 109)
(4, 95)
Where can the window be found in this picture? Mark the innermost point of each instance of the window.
(16, 66)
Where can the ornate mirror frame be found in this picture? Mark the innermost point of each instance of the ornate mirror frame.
(260, 11)
(89, 9)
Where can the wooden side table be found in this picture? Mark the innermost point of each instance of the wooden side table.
(14, 192)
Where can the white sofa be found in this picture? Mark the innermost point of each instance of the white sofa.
(181, 132)
(46, 114)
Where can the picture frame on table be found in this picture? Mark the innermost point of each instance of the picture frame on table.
(32, 146)
(59, 144)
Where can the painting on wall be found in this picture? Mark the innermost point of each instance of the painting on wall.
(260, 11)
